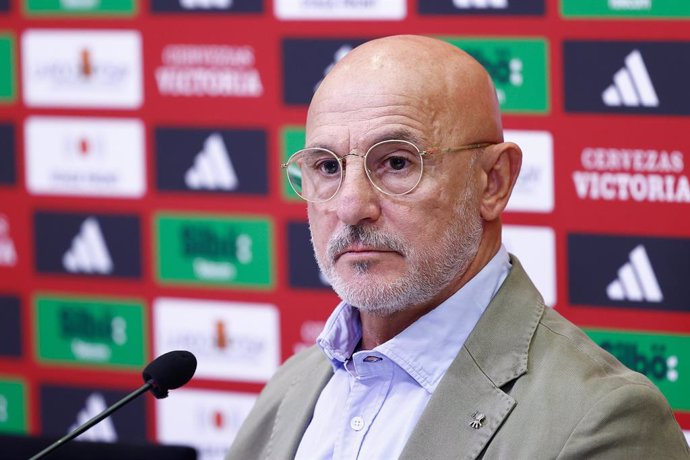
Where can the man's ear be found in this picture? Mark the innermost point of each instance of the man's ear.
(500, 165)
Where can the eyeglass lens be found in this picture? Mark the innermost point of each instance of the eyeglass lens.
(394, 167)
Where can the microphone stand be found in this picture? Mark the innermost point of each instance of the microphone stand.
(79, 430)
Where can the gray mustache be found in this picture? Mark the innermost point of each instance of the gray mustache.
(365, 236)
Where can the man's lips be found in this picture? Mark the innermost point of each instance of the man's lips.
(362, 251)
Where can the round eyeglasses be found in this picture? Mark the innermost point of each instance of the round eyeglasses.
(394, 167)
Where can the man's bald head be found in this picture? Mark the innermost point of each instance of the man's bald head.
(435, 73)
(369, 242)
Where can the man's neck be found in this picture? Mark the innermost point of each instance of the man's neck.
(378, 329)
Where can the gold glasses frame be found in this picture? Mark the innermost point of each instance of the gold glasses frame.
(341, 162)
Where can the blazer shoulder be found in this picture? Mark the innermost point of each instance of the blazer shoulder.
(569, 349)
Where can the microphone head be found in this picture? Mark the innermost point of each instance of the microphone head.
(169, 371)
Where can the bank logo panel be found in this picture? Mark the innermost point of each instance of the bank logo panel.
(90, 331)
(231, 340)
(663, 358)
(518, 67)
(97, 245)
(80, 8)
(211, 160)
(626, 77)
(214, 250)
(629, 272)
(64, 408)
(7, 68)
(482, 7)
(82, 68)
(13, 406)
(292, 139)
(85, 156)
(629, 9)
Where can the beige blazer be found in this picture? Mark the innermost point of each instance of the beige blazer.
(546, 391)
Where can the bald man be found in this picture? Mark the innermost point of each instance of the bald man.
(441, 347)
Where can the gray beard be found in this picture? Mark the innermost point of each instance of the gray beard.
(430, 269)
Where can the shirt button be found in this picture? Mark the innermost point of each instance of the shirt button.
(372, 359)
(357, 423)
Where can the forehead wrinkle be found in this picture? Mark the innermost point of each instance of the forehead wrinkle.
(329, 116)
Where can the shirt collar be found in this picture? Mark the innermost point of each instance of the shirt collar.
(424, 359)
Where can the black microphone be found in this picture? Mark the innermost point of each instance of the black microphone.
(169, 371)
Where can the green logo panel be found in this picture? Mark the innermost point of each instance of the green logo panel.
(7, 82)
(13, 417)
(293, 139)
(81, 7)
(518, 68)
(93, 331)
(215, 250)
(663, 358)
(640, 9)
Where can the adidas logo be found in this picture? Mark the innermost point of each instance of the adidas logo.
(636, 280)
(631, 85)
(337, 56)
(483, 4)
(88, 253)
(212, 168)
(104, 430)
(8, 255)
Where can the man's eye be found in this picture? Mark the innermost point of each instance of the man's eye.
(397, 163)
(328, 166)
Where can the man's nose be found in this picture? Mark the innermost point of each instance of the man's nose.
(357, 200)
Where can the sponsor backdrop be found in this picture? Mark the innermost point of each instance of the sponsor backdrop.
(143, 209)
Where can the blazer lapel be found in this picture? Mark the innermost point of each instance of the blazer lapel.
(297, 408)
(462, 416)
(468, 406)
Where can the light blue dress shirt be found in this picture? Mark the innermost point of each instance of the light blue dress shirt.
(372, 403)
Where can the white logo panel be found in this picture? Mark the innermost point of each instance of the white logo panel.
(231, 340)
(533, 191)
(85, 68)
(85, 156)
(535, 247)
(206, 420)
(340, 9)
